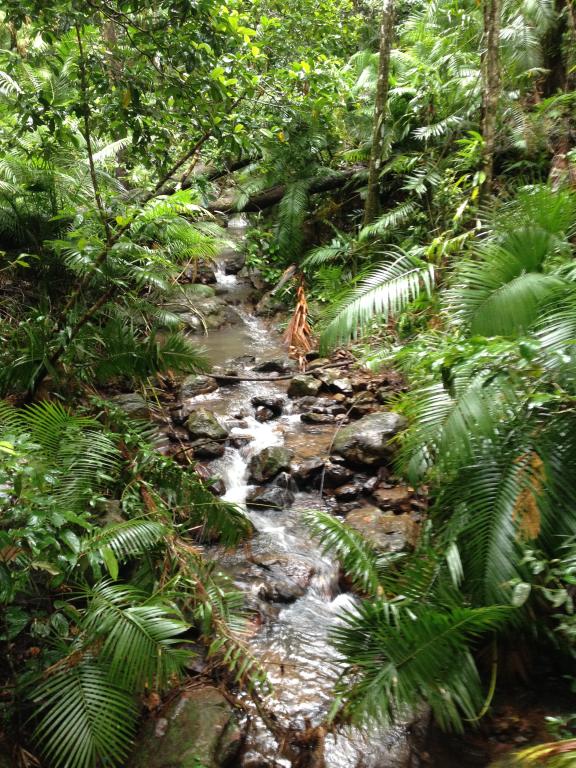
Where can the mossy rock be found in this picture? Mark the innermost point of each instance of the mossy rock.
(198, 730)
(269, 463)
(370, 440)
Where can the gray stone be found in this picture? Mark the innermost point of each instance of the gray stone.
(274, 404)
(207, 449)
(270, 497)
(369, 440)
(203, 424)
(196, 384)
(333, 380)
(269, 462)
(264, 414)
(197, 728)
(233, 260)
(276, 365)
(318, 418)
(286, 481)
(386, 532)
(302, 386)
(133, 405)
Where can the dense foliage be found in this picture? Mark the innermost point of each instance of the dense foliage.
(125, 129)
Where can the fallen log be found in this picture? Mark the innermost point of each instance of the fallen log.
(271, 196)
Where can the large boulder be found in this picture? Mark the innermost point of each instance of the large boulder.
(210, 314)
(203, 424)
(368, 441)
(196, 384)
(269, 463)
(197, 729)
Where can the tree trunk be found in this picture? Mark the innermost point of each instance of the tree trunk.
(490, 88)
(386, 33)
(271, 196)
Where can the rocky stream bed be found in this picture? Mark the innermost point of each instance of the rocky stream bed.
(279, 442)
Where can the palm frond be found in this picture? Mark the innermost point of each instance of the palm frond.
(503, 291)
(394, 666)
(386, 291)
(291, 213)
(139, 635)
(84, 716)
(359, 560)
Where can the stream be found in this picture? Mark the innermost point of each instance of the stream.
(284, 575)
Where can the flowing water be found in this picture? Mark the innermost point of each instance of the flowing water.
(292, 642)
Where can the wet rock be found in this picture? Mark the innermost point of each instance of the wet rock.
(133, 405)
(197, 728)
(364, 406)
(270, 304)
(264, 414)
(397, 497)
(276, 365)
(244, 360)
(371, 484)
(281, 591)
(318, 418)
(282, 577)
(285, 480)
(203, 424)
(269, 462)
(302, 386)
(217, 486)
(270, 497)
(348, 492)
(207, 449)
(233, 260)
(307, 474)
(319, 405)
(274, 404)
(239, 441)
(369, 440)
(197, 385)
(201, 272)
(210, 314)
(386, 532)
(336, 474)
(334, 381)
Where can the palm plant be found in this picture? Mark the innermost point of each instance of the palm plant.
(410, 642)
(113, 640)
(385, 291)
(491, 433)
(85, 707)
